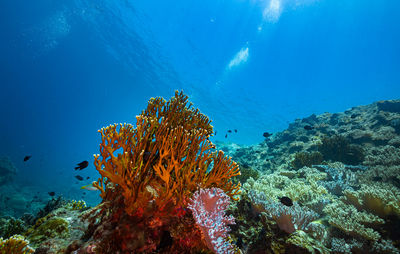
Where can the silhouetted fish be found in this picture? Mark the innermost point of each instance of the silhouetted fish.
(235, 131)
(87, 177)
(80, 178)
(267, 134)
(226, 135)
(215, 133)
(27, 157)
(82, 165)
(286, 201)
(229, 131)
(52, 193)
(308, 127)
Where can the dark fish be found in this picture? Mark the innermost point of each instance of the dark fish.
(353, 116)
(80, 178)
(226, 135)
(235, 131)
(215, 133)
(267, 134)
(52, 193)
(27, 157)
(286, 201)
(230, 131)
(84, 193)
(87, 177)
(308, 127)
(82, 165)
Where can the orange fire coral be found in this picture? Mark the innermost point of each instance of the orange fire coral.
(166, 158)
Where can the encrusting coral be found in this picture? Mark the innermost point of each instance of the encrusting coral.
(148, 175)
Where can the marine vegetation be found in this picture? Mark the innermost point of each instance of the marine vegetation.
(148, 175)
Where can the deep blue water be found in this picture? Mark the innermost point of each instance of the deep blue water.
(68, 68)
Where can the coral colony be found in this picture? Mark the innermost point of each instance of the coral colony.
(327, 184)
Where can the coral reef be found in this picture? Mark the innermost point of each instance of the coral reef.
(166, 189)
(15, 245)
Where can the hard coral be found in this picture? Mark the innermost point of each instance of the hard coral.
(164, 159)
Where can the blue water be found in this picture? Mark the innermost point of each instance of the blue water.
(68, 68)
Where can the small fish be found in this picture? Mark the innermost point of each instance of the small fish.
(215, 133)
(226, 135)
(229, 131)
(27, 157)
(353, 116)
(87, 177)
(286, 201)
(80, 178)
(83, 193)
(52, 193)
(235, 130)
(267, 134)
(82, 165)
(308, 127)
(89, 187)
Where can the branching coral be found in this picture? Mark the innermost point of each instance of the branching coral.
(15, 245)
(164, 159)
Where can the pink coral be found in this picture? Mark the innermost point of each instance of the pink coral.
(208, 208)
